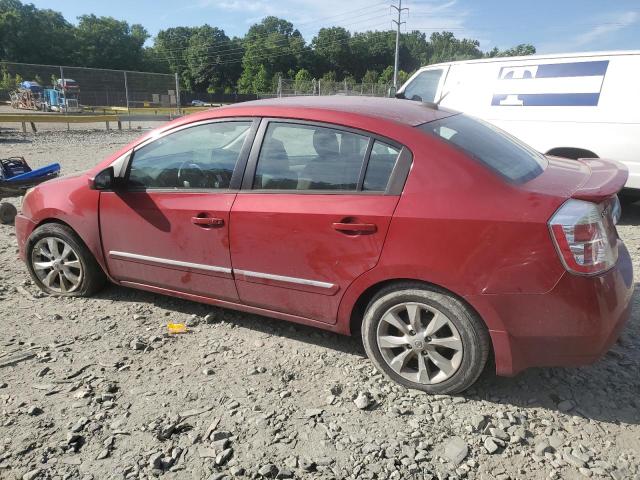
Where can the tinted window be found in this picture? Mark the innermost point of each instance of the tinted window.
(490, 145)
(304, 157)
(381, 162)
(203, 156)
(424, 86)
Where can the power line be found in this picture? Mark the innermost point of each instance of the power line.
(270, 56)
(219, 49)
(291, 52)
(316, 21)
(282, 41)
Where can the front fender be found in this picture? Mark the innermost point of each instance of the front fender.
(68, 200)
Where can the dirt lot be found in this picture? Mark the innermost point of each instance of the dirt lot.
(101, 391)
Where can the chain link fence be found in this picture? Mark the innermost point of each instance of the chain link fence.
(60, 88)
(134, 96)
(288, 87)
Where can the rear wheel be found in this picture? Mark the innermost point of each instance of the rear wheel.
(61, 264)
(425, 339)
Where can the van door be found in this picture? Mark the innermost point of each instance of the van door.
(427, 85)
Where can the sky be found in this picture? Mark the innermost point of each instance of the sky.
(553, 26)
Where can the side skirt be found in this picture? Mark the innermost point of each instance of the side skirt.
(337, 328)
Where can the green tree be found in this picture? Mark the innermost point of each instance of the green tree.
(105, 42)
(414, 50)
(349, 81)
(303, 82)
(170, 46)
(445, 47)
(517, 51)
(275, 82)
(31, 35)
(273, 44)
(207, 59)
(261, 81)
(245, 82)
(7, 81)
(386, 77)
(372, 51)
(329, 76)
(370, 76)
(153, 61)
(332, 50)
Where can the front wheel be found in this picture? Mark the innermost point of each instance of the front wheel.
(425, 339)
(61, 264)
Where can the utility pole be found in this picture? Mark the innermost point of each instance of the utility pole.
(398, 23)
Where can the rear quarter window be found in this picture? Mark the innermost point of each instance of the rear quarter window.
(496, 149)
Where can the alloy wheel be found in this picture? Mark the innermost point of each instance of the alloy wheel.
(419, 343)
(57, 265)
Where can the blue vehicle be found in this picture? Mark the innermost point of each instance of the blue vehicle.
(16, 177)
(55, 100)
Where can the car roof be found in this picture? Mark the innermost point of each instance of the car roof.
(406, 112)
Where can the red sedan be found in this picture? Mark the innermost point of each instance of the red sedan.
(437, 236)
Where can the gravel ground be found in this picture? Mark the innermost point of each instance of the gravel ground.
(99, 390)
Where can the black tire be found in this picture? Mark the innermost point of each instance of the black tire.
(7, 213)
(472, 331)
(92, 279)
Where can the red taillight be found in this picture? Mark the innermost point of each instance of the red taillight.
(585, 237)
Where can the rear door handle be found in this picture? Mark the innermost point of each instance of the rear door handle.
(355, 228)
(207, 221)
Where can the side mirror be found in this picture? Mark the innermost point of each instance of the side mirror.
(103, 180)
(391, 92)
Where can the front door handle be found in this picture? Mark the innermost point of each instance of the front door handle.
(355, 228)
(207, 221)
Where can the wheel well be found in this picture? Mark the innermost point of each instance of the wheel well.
(357, 313)
(55, 220)
(572, 152)
(49, 221)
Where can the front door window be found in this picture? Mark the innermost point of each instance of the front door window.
(199, 157)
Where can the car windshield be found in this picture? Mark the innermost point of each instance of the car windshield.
(491, 146)
(423, 88)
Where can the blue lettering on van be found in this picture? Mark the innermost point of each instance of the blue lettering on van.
(555, 84)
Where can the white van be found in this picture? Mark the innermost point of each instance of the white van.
(573, 105)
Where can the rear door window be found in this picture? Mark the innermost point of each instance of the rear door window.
(308, 157)
(496, 149)
(425, 86)
(381, 162)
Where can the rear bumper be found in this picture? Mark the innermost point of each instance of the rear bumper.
(24, 227)
(573, 324)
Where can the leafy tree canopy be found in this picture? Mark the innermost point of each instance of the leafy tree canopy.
(206, 59)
